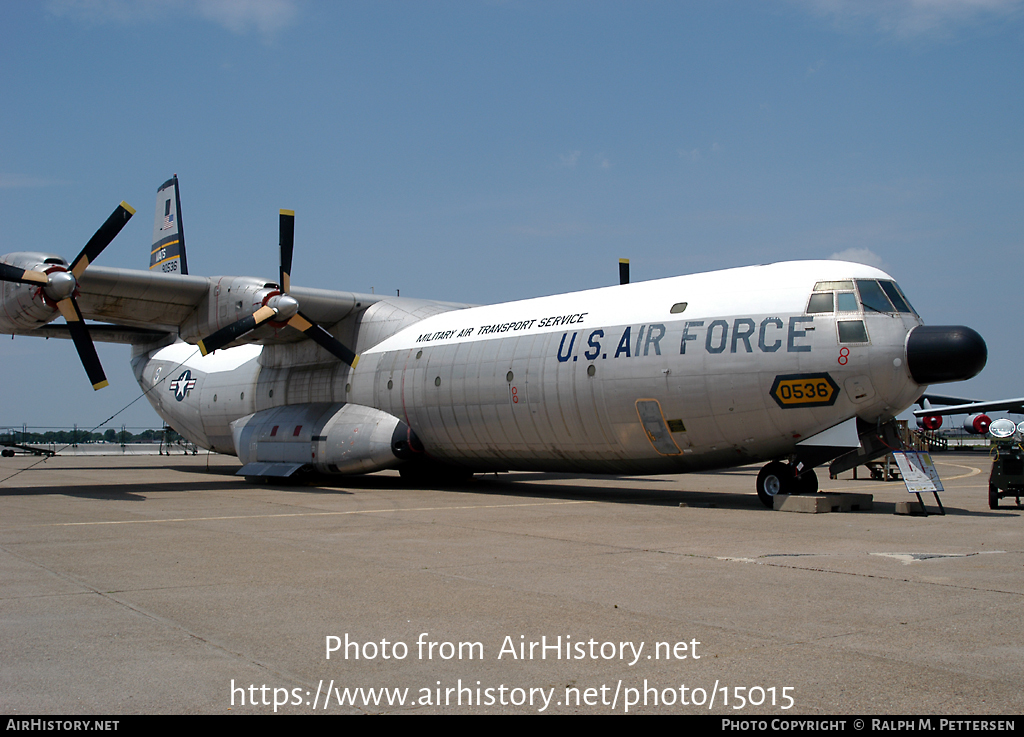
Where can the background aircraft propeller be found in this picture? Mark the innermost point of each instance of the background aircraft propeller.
(59, 286)
(281, 308)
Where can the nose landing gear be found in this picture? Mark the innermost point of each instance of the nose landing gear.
(782, 478)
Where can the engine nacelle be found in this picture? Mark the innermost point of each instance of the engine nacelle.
(230, 299)
(328, 437)
(25, 306)
(929, 422)
(977, 424)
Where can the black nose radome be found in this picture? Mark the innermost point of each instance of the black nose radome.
(940, 353)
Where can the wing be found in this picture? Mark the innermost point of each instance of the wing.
(102, 333)
(956, 406)
(166, 302)
(169, 301)
(186, 305)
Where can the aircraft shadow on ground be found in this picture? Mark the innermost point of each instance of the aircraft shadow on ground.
(547, 486)
(534, 485)
(523, 485)
(133, 492)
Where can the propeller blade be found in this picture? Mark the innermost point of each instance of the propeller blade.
(83, 342)
(287, 227)
(22, 276)
(236, 330)
(324, 338)
(101, 239)
(61, 288)
(285, 303)
(300, 321)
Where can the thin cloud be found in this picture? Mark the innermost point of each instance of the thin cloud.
(266, 17)
(910, 18)
(240, 16)
(572, 159)
(859, 256)
(559, 230)
(694, 154)
(569, 160)
(815, 67)
(21, 181)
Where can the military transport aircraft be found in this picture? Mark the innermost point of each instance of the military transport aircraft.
(791, 363)
(929, 417)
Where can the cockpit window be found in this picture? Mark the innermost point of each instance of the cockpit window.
(825, 301)
(820, 303)
(872, 296)
(876, 295)
(902, 294)
(828, 286)
(847, 302)
(894, 294)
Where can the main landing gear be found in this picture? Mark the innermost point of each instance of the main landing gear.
(782, 478)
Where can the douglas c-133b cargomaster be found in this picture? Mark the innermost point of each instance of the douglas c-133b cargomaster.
(793, 364)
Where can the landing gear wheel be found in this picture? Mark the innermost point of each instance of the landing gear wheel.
(775, 478)
(807, 482)
(993, 496)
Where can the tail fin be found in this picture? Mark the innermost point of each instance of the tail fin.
(168, 252)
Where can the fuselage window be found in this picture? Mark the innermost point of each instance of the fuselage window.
(872, 296)
(852, 331)
(678, 307)
(820, 303)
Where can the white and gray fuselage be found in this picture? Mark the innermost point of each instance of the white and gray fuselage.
(678, 374)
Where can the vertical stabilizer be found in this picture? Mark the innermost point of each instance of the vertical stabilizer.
(168, 252)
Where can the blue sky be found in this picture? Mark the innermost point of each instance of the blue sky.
(486, 151)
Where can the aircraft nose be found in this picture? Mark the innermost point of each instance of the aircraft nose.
(941, 353)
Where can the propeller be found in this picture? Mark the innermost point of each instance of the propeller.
(281, 308)
(59, 286)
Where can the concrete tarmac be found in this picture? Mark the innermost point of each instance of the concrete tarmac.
(151, 584)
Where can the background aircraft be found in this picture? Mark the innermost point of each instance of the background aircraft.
(977, 422)
(793, 363)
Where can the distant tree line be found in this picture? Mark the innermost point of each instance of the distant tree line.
(73, 437)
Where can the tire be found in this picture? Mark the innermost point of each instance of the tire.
(993, 496)
(774, 479)
(807, 482)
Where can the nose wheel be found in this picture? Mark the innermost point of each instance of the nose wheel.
(781, 478)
